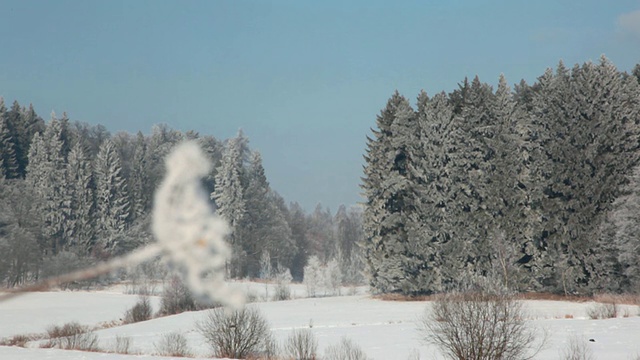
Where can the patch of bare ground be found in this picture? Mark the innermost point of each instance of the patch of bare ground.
(401, 297)
(622, 299)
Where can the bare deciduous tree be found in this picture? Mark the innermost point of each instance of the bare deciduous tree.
(236, 334)
(477, 326)
(173, 344)
(301, 345)
(344, 350)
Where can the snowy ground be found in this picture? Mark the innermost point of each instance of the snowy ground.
(384, 329)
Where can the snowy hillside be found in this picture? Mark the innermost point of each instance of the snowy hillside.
(383, 329)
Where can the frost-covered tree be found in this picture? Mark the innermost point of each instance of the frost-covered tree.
(321, 242)
(582, 120)
(434, 191)
(349, 237)
(625, 218)
(636, 72)
(389, 217)
(313, 276)
(140, 189)
(46, 174)
(511, 234)
(20, 229)
(229, 199)
(80, 179)
(228, 194)
(298, 224)
(8, 160)
(263, 227)
(112, 200)
(333, 277)
(23, 123)
(515, 185)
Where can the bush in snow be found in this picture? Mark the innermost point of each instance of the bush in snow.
(237, 334)
(172, 344)
(452, 325)
(577, 349)
(344, 350)
(122, 345)
(72, 336)
(607, 309)
(141, 311)
(301, 345)
(176, 298)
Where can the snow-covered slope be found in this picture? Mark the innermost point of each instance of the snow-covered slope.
(384, 329)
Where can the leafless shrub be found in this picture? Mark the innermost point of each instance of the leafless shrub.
(176, 298)
(141, 287)
(251, 296)
(344, 350)
(301, 345)
(122, 345)
(72, 336)
(282, 292)
(271, 349)
(577, 349)
(141, 311)
(20, 340)
(477, 326)
(236, 334)
(172, 344)
(608, 310)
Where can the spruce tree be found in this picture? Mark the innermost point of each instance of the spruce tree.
(387, 223)
(112, 200)
(139, 178)
(9, 168)
(625, 218)
(80, 179)
(23, 123)
(510, 235)
(229, 199)
(299, 228)
(58, 200)
(46, 175)
(263, 227)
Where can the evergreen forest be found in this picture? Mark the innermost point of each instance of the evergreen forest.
(531, 188)
(73, 194)
(535, 188)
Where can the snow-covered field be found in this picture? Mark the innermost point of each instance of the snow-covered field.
(383, 329)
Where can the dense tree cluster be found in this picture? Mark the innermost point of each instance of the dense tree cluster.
(532, 188)
(72, 194)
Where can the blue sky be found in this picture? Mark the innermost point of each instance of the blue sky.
(303, 79)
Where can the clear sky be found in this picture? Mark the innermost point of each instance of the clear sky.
(303, 79)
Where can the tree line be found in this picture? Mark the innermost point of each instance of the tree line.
(72, 194)
(531, 189)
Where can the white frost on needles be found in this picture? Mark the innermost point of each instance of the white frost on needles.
(191, 236)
